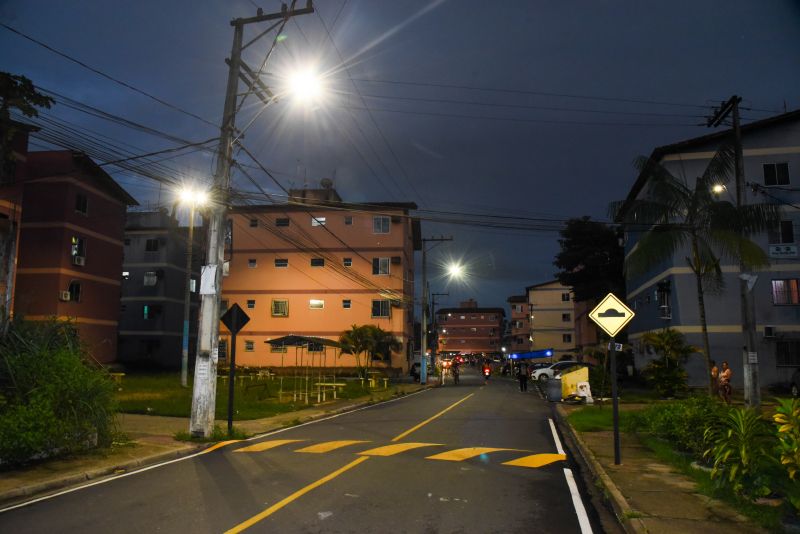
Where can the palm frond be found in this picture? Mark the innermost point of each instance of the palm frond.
(721, 166)
(657, 245)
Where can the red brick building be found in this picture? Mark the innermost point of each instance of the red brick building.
(469, 329)
(519, 331)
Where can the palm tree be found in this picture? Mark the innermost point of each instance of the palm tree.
(384, 343)
(693, 220)
(356, 341)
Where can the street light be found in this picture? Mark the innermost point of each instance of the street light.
(455, 270)
(194, 198)
(305, 85)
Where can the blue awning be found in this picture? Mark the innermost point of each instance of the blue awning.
(544, 353)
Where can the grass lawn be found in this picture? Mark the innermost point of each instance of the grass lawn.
(599, 417)
(162, 394)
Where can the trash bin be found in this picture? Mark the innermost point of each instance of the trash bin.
(553, 388)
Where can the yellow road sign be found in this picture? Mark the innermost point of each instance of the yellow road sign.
(611, 314)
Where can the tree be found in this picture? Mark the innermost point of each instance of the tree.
(666, 374)
(356, 341)
(16, 92)
(692, 220)
(384, 343)
(591, 259)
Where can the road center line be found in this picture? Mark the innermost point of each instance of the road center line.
(299, 493)
(426, 421)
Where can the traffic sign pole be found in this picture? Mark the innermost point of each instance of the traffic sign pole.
(615, 402)
(235, 318)
(231, 378)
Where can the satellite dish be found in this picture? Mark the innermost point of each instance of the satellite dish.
(326, 183)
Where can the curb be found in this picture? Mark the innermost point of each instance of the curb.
(631, 525)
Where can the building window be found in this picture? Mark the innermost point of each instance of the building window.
(222, 349)
(223, 307)
(348, 220)
(150, 278)
(564, 297)
(74, 291)
(317, 221)
(785, 291)
(347, 262)
(380, 224)
(316, 304)
(249, 345)
(280, 308)
(150, 311)
(281, 262)
(192, 285)
(346, 304)
(565, 317)
(787, 353)
(82, 204)
(776, 174)
(473, 329)
(253, 223)
(566, 338)
(380, 308)
(277, 348)
(782, 233)
(318, 262)
(151, 245)
(251, 304)
(252, 263)
(380, 266)
(282, 221)
(78, 247)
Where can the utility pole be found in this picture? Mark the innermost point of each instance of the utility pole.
(423, 371)
(752, 391)
(435, 330)
(205, 376)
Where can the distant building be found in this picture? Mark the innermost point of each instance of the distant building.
(69, 245)
(153, 289)
(552, 318)
(470, 329)
(666, 296)
(316, 266)
(519, 331)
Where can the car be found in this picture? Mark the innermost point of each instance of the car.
(546, 373)
(794, 384)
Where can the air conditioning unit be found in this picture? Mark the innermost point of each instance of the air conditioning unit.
(396, 260)
(64, 296)
(769, 331)
(78, 260)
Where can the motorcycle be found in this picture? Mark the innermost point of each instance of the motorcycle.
(486, 373)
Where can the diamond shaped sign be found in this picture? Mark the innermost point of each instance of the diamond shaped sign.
(611, 315)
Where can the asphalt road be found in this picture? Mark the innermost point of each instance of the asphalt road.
(437, 461)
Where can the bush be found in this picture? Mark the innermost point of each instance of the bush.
(681, 422)
(667, 377)
(53, 401)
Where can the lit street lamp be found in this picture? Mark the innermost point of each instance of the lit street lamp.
(194, 199)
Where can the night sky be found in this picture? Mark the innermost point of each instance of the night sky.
(500, 119)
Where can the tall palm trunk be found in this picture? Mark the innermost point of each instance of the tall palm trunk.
(701, 305)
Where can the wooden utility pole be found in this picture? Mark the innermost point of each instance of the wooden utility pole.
(752, 391)
(205, 375)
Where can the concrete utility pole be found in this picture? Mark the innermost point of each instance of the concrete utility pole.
(205, 375)
(752, 391)
(436, 332)
(423, 371)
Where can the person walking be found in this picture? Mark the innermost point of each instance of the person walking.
(522, 374)
(725, 388)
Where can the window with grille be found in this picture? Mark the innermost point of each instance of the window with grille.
(280, 308)
(74, 291)
(785, 292)
(252, 263)
(251, 304)
(380, 224)
(317, 221)
(782, 233)
(249, 345)
(347, 262)
(564, 297)
(380, 308)
(346, 304)
(787, 353)
(318, 262)
(776, 174)
(150, 278)
(380, 266)
(82, 203)
(566, 317)
(281, 262)
(566, 338)
(278, 348)
(78, 246)
(151, 245)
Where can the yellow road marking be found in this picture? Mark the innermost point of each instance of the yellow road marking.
(428, 420)
(220, 445)
(330, 445)
(397, 448)
(294, 496)
(537, 460)
(266, 445)
(459, 455)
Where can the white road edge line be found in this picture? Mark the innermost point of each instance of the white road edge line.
(559, 448)
(580, 511)
(154, 466)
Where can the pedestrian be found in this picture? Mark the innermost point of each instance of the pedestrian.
(522, 374)
(714, 378)
(725, 388)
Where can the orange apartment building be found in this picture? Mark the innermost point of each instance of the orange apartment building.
(552, 318)
(519, 332)
(68, 248)
(317, 266)
(469, 329)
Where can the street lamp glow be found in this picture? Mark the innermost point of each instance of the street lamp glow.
(305, 85)
(455, 270)
(717, 189)
(193, 197)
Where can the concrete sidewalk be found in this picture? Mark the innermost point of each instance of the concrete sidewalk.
(649, 496)
(152, 441)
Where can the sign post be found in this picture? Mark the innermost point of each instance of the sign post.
(235, 318)
(612, 315)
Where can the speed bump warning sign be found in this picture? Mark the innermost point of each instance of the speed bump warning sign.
(611, 315)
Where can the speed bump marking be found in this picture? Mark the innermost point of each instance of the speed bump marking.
(397, 448)
(459, 455)
(536, 460)
(328, 446)
(266, 445)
